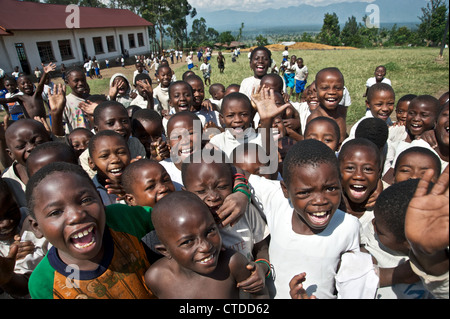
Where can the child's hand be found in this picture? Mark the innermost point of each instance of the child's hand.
(296, 289)
(427, 216)
(208, 105)
(256, 281)
(115, 188)
(44, 122)
(25, 247)
(49, 68)
(7, 265)
(88, 107)
(161, 149)
(57, 99)
(148, 90)
(373, 197)
(264, 99)
(429, 137)
(233, 208)
(114, 88)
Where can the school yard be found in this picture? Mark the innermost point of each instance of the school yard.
(411, 70)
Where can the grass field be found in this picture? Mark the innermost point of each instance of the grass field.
(411, 70)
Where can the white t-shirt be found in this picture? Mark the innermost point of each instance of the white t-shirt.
(387, 258)
(304, 112)
(300, 73)
(174, 173)
(291, 253)
(226, 142)
(162, 96)
(373, 80)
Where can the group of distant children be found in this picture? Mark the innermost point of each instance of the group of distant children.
(161, 193)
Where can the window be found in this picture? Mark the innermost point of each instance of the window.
(45, 51)
(111, 43)
(131, 42)
(140, 37)
(98, 45)
(65, 49)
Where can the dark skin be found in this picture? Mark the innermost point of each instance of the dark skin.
(21, 139)
(31, 100)
(212, 183)
(330, 90)
(195, 259)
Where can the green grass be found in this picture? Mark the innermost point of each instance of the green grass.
(411, 70)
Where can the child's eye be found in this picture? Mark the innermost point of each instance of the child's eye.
(212, 231)
(55, 213)
(87, 200)
(332, 189)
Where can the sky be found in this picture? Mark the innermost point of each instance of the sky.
(259, 5)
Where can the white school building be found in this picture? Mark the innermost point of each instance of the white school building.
(34, 33)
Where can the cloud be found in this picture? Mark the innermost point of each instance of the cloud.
(259, 5)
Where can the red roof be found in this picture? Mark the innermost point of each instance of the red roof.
(22, 15)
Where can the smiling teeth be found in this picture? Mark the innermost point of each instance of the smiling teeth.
(83, 233)
(117, 170)
(205, 260)
(319, 214)
(358, 186)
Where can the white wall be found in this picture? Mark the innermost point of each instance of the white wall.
(9, 59)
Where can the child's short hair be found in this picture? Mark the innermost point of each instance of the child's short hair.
(128, 175)
(277, 79)
(93, 140)
(97, 98)
(74, 69)
(360, 142)
(379, 87)
(307, 152)
(239, 97)
(193, 77)
(391, 206)
(65, 149)
(330, 69)
(261, 48)
(186, 74)
(162, 66)
(141, 77)
(429, 100)
(214, 156)
(406, 98)
(178, 83)
(332, 122)
(103, 106)
(373, 129)
(216, 86)
(145, 115)
(419, 150)
(47, 170)
(4, 187)
(193, 116)
(79, 129)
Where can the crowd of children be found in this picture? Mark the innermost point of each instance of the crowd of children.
(261, 191)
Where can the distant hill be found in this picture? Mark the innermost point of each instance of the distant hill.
(391, 11)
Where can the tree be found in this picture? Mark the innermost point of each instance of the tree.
(239, 36)
(330, 32)
(433, 22)
(226, 37)
(351, 35)
(261, 41)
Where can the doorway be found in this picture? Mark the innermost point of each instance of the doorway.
(83, 49)
(20, 49)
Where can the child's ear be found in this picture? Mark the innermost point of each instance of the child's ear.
(35, 227)
(284, 189)
(163, 250)
(96, 129)
(131, 201)
(10, 154)
(91, 163)
(367, 104)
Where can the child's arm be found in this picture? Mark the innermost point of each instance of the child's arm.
(260, 269)
(148, 91)
(296, 289)
(57, 102)
(427, 224)
(238, 267)
(14, 284)
(47, 69)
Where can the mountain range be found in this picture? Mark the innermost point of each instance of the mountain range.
(390, 12)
